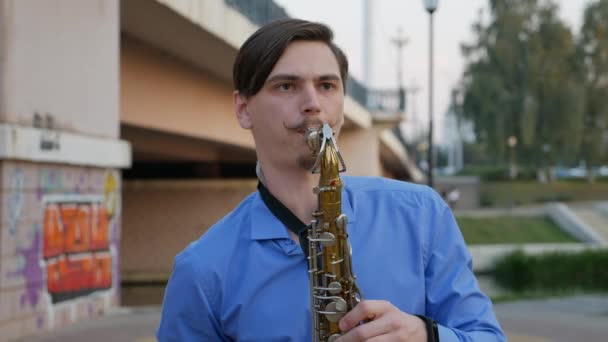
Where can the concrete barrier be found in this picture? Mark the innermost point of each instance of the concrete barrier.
(602, 208)
(570, 223)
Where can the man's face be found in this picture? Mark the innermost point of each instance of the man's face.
(304, 89)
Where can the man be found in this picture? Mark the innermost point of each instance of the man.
(246, 279)
(452, 197)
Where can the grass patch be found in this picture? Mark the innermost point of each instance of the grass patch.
(511, 229)
(515, 193)
(539, 295)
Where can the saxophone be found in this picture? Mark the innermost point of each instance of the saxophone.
(333, 290)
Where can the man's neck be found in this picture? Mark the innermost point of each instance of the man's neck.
(293, 188)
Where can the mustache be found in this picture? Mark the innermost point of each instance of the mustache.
(304, 124)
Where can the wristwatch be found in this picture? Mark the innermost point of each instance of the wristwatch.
(432, 332)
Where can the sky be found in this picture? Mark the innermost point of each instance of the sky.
(452, 26)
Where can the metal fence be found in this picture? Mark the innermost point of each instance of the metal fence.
(386, 100)
(357, 91)
(259, 12)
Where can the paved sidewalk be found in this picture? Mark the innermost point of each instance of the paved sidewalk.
(528, 210)
(136, 324)
(580, 318)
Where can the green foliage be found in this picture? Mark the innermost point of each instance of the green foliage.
(511, 229)
(555, 272)
(508, 193)
(556, 197)
(486, 172)
(496, 172)
(593, 51)
(528, 76)
(477, 154)
(486, 201)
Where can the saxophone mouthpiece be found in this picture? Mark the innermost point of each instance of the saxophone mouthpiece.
(313, 140)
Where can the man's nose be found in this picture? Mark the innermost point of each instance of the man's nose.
(310, 100)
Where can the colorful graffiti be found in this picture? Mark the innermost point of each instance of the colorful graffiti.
(59, 243)
(76, 246)
(111, 194)
(112, 204)
(49, 181)
(15, 200)
(31, 271)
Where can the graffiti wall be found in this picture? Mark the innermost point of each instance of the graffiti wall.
(76, 249)
(59, 245)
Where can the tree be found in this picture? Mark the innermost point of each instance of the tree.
(556, 93)
(593, 50)
(521, 80)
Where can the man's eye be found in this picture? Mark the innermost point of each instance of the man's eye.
(285, 86)
(327, 86)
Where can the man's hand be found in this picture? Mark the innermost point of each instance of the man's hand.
(384, 322)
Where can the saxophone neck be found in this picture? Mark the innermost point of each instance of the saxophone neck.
(323, 145)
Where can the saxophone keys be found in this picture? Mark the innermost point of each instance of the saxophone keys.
(336, 310)
(341, 221)
(333, 337)
(334, 287)
(327, 239)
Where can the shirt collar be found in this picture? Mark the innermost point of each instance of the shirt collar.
(265, 226)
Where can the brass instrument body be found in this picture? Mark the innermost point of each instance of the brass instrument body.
(332, 282)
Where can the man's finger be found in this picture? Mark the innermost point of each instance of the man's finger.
(365, 311)
(384, 338)
(363, 332)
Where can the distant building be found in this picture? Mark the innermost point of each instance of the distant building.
(455, 135)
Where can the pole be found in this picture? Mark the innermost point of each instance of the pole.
(430, 156)
(368, 22)
(400, 41)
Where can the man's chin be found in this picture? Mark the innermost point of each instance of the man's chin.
(306, 162)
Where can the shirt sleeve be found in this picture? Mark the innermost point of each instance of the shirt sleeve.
(453, 296)
(186, 312)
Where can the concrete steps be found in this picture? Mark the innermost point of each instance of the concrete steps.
(566, 217)
(594, 219)
(587, 222)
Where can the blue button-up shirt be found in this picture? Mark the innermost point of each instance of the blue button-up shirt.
(245, 279)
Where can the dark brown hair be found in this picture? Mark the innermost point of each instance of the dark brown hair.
(260, 52)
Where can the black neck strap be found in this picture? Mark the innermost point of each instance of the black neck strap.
(281, 212)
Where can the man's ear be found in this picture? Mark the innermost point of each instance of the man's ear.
(240, 108)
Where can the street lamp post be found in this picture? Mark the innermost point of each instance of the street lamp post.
(512, 142)
(546, 174)
(400, 41)
(431, 6)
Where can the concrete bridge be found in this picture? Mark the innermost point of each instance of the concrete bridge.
(118, 140)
